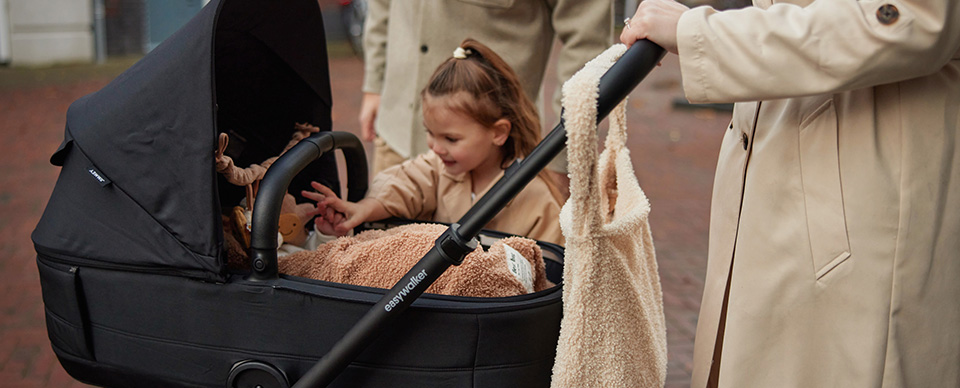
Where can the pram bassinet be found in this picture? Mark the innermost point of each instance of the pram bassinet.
(129, 248)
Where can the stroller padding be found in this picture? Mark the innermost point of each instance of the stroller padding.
(189, 331)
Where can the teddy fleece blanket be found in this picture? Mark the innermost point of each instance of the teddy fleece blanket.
(379, 258)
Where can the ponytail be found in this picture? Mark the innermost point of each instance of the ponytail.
(497, 93)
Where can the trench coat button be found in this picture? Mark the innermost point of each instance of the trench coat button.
(423, 49)
(888, 14)
(744, 141)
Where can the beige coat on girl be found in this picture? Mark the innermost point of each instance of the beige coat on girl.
(835, 226)
(420, 189)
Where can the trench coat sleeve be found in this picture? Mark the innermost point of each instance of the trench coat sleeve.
(409, 190)
(828, 46)
(585, 29)
(375, 45)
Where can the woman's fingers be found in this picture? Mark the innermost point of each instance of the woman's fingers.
(369, 106)
(655, 20)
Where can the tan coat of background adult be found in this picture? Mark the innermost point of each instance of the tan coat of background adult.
(405, 41)
(420, 189)
(835, 224)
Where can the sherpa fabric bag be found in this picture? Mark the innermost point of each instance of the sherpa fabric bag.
(613, 332)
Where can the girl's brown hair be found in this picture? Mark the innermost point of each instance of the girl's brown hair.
(496, 94)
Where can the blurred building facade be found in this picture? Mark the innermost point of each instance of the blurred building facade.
(46, 32)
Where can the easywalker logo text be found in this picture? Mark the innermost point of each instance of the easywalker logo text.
(97, 175)
(414, 281)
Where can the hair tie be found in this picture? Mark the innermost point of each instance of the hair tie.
(461, 53)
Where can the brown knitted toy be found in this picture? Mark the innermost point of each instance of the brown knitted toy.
(254, 173)
(293, 216)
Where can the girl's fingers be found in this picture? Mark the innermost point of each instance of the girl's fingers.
(337, 204)
(330, 216)
(313, 195)
(325, 227)
(334, 209)
(330, 198)
(312, 212)
(348, 223)
(322, 189)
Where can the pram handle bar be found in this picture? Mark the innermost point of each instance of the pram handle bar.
(454, 244)
(266, 213)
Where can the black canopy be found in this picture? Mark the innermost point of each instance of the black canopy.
(138, 187)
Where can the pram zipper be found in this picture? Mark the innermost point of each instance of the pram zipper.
(58, 257)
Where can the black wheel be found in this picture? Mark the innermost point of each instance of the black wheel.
(256, 374)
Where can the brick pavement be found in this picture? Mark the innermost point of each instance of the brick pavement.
(674, 154)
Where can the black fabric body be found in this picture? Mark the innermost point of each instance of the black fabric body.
(122, 329)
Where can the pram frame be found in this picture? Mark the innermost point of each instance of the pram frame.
(459, 239)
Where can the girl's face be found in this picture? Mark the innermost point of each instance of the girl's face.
(462, 143)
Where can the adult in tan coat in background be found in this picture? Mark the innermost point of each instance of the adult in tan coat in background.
(835, 226)
(404, 41)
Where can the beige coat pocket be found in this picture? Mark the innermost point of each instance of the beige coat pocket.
(822, 191)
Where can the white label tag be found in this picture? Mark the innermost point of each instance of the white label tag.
(520, 267)
(102, 179)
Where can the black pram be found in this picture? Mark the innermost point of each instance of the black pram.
(130, 246)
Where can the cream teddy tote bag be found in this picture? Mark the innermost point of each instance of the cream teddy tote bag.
(613, 332)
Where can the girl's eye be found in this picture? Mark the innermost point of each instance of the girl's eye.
(452, 140)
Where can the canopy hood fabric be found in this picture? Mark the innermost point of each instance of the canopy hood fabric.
(137, 186)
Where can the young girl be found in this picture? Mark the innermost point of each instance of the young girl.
(478, 121)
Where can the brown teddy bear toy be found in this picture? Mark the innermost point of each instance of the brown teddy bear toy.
(293, 216)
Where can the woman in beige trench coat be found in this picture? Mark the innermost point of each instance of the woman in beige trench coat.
(835, 225)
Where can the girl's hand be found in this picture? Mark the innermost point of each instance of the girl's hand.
(336, 216)
(655, 20)
(327, 220)
(323, 213)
